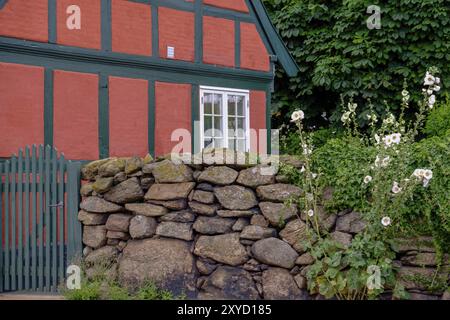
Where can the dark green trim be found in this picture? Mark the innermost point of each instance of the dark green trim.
(151, 117)
(195, 115)
(198, 31)
(48, 107)
(237, 43)
(52, 21)
(103, 117)
(155, 31)
(269, 120)
(2, 3)
(106, 28)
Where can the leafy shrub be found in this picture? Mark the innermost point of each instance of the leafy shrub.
(438, 122)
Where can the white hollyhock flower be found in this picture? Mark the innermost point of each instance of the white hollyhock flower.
(314, 175)
(352, 107)
(396, 137)
(425, 183)
(345, 117)
(367, 179)
(431, 101)
(386, 221)
(297, 116)
(302, 169)
(396, 188)
(428, 174)
(385, 162)
(437, 80)
(387, 140)
(377, 138)
(429, 92)
(405, 93)
(429, 79)
(310, 212)
(436, 88)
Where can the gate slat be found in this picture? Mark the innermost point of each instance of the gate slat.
(20, 221)
(61, 264)
(13, 223)
(47, 213)
(27, 218)
(41, 218)
(33, 219)
(7, 229)
(1, 228)
(54, 243)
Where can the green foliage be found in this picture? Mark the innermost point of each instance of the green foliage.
(438, 122)
(338, 54)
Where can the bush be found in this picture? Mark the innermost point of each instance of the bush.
(438, 122)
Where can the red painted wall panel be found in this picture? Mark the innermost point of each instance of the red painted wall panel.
(131, 27)
(128, 117)
(89, 36)
(75, 114)
(258, 139)
(254, 54)
(21, 107)
(176, 29)
(172, 111)
(25, 20)
(238, 5)
(218, 41)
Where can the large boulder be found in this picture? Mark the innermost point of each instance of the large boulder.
(229, 283)
(278, 284)
(224, 248)
(166, 262)
(102, 185)
(125, 192)
(92, 219)
(142, 227)
(295, 233)
(94, 236)
(278, 192)
(133, 165)
(218, 175)
(213, 225)
(274, 252)
(171, 191)
(203, 196)
(177, 230)
(118, 222)
(111, 167)
(343, 238)
(104, 256)
(168, 172)
(236, 197)
(350, 223)
(255, 177)
(146, 209)
(98, 205)
(277, 213)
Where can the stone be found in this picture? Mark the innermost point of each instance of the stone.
(142, 227)
(118, 222)
(203, 196)
(294, 233)
(205, 187)
(213, 225)
(148, 168)
(254, 266)
(132, 165)
(112, 242)
(90, 171)
(177, 230)
(235, 213)
(343, 238)
(111, 167)
(240, 224)
(203, 209)
(122, 245)
(120, 177)
(282, 178)
(326, 220)
(278, 284)
(180, 216)
(236, 197)
(426, 259)
(305, 259)
(277, 213)
(229, 283)
(147, 182)
(136, 174)
(278, 192)
(218, 175)
(205, 267)
(408, 275)
(274, 252)
(224, 248)
(350, 223)
(421, 296)
(422, 244)
(301, 281)
(259, 220)
(98, 205)
(169, 191)
(104, 256)
(253, 232)
(291, 160)
(125, 192)
(100, 272)
(117, 235)
(179, 204)
(86, 189)
(146, 209)
(168, 172)
(102, 185)
(92, 219)
(255, 177)
(446, 295)
(86, 251)
(168, 263)
(94, 236)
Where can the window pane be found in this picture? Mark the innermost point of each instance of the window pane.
(208, 143)
(218, 143)
(231, 105)
(231, 127)
(240, 127)
(240, 105)
(208, 123)
(207, 102)
(217, 104)
(218, 126)
(241, 145)
(231, 144)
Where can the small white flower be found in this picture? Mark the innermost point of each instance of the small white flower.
(405, 93)
(367, 179)
(386, 221)
(436, 88)
(377, 138)
(309, 196)
(396, 137)
(429, 79)
(396, 188)
(345, 117)
(428, 174)
(429, 92)
(297, 116)
(310, 212)
(385, 162)
(314, 175)
(437, 80)
(387, 140)
(352, 107)
(425, 183)
(431, 101)
(302, 169)
(324, 115)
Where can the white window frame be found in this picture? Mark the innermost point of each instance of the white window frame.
(225, 92)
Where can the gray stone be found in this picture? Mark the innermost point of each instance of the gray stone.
(213, 225)
(427, 259)
(294, 161)
(294, 233)
(205, 187)
(350, 223)
(117, 235)
(421, 296)
(168, 263)
(102, 185)
(224, 248)
(236, 197)
(282, 178)
(104, 256)
(325, 220)
(171, 191)
(180, 216)
(446, 295)
(218, 175)
(240, 224)
(278, 284)
(147, 182)
(168, 172)
(278, 192)
(94, 236)
(277, 213)
(112, 242)
(235, 213)
(203, 196)
(121, 245)
(300, 281)
(92, 219)
(259, 220)
(229, 283)
(305, 259)
(275, 252)
(343, 238)
(132, 165)
(177, 230)
(125, 192)
(203, 209)
(120, 177)
(422, 244)
(205, 267)
(98, 205)
(90, 170)
(255, 177)
(253, 232)
(142, 227)
(118, 222)
(408, 275)
(179, 204)
(111, 167)
(86, 189)
(146, 209)
(148, 167)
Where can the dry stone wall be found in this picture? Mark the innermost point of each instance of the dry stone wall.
(208, 231)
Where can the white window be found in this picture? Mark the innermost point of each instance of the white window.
(224, 118)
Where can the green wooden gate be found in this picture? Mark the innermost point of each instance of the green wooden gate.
(39, 231)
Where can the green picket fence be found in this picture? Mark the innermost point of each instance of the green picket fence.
(39, 231)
